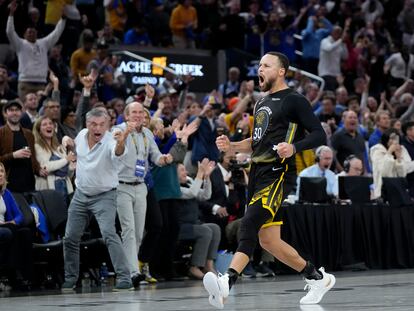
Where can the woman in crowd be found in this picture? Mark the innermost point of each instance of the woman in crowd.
(206, 236)
(15, 241)
(389, 159)
(54, 157)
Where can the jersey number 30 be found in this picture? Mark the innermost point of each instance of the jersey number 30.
(258, 132)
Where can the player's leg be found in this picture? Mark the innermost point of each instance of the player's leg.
(318, 282)
(219, 286)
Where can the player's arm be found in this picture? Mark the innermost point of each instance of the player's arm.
(298, 109)
(223, 144)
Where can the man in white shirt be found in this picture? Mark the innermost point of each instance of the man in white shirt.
(132, 190)
(324, 158)
(98, 154)
(332, 52)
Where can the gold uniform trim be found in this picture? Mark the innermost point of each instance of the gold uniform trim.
(273, 223)
(290, 134)
(271, 198)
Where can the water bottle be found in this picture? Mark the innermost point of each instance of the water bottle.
(103, 274)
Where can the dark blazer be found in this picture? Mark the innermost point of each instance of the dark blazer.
(6, 147)
(218, 195)
(204, 142)
(26, 122)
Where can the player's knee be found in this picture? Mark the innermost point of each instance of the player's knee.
(247, 246)
(269, 242)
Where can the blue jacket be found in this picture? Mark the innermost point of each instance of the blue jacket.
(311, 39)
(375, 138)
(204, 143)
(12, 209)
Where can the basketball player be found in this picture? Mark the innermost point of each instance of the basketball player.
(280, 121)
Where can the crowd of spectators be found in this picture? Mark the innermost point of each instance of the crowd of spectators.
(55, 66)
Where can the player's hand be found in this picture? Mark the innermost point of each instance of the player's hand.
(285, 150)
(223, 143)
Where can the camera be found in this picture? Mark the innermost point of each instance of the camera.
(237, 174)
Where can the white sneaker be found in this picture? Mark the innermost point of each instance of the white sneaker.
(317, 288)
(217, 287)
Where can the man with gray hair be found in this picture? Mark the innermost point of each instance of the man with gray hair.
(132, 190)
(98, 153)
(323, 159)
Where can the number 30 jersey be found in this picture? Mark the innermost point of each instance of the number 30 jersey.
(284, 116)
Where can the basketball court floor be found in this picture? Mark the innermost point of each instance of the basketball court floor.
(369, 290)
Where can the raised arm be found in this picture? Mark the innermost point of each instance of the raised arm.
(14, 39)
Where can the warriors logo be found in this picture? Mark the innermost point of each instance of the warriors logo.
(261, 122)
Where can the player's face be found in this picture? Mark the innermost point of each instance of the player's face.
(269, 72)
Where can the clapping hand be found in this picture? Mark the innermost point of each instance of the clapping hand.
(205, 167)
(186, 131)
(166, 159)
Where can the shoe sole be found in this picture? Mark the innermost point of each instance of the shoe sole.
(67, 290)
(118, 290)
(210, 282)
(326, 289)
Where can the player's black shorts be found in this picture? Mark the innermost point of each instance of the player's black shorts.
(269, 185)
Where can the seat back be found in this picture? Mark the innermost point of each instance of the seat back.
(395, 191)
(55, 209)
(24, 207)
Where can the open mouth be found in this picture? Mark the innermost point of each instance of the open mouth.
(97, 135)
(261, 79)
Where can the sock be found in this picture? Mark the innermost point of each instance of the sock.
(233, 275)
(310, 272)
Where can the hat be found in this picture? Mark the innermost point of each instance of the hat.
(13, 103)
(233, 103)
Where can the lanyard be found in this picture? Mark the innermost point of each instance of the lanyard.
(136, 143)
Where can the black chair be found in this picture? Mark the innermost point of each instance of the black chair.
(24, 206)
(49, 256)
(53, 205)
(395, 191)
